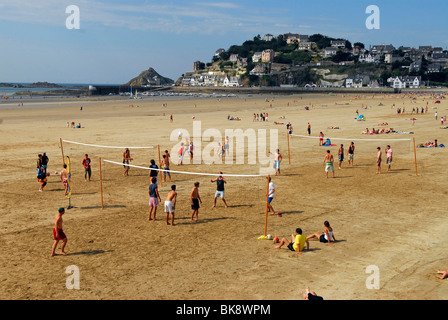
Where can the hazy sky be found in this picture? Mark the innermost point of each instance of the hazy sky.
(119, 39)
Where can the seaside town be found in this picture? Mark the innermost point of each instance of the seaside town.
(292, 59)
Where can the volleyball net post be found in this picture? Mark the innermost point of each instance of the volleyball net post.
(415, 158)
(160, 165)
(62, 151)
(289, 151)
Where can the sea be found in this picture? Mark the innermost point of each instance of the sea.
(9, 91)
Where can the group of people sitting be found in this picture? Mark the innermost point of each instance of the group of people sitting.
(378, 131)
(229, 117)
(430, 144)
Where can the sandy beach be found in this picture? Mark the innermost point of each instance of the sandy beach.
(395, 221)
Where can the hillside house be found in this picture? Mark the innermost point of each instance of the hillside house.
(329, 52)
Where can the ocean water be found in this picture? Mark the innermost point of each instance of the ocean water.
(8, 91)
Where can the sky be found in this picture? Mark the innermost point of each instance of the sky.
(116, 40)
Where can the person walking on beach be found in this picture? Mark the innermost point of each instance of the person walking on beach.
(297, 242)
(39, 162)
(58, 233)
(170, 204)
(126, 159)
(389, 157)
(341, 155)
(190, 151)
(271, 194)
(220, 181)
(351, 153)
(328, 161)
(154, 198)
(87, 167)
(378, 160)
(195, 199)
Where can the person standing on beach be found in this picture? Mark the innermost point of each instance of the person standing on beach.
(328, 161)
(389, 157)
(58, 233)
(195, 199)
(378, 161)
(45, 161)
(278, 159)
(64, 178)
(351, 153)
(321, 138)
(308, 129)
(153, 173)
(341, 155)
(170, 204)
(126, 159)
(220, 181)
(39, 162)
(154, 198)
(180, 154)
(166, 166)
(87, 167)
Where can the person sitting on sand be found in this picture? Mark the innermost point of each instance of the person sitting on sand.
(325, 236)
(297, 242)
(444, 274)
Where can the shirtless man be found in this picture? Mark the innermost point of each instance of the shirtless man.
(64, 178)
(328, 161)
(378, 161)
(278, 159)
(389, 157)
(195, 199)
(166, 167)
(321, 138)
(126, 159)
(351, 153)
(170, 204)
(58, 233)
(341, 155)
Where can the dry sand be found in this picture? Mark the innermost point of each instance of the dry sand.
(395, 221)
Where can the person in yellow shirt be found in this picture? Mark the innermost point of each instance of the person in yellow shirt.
(297, 242)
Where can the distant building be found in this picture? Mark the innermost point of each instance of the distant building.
(391, 58)
(382, 49)
(268, 37)
(232, 82)
(369, 58)
(434, 67)
(219, 51)
(267, 55)
(338, 43)
(233, 57)
(196, 65)
(295, 38)
(256, 57)
(405, 82)
(329, 52)
(260, 69)
(304, 45)
(357, 81)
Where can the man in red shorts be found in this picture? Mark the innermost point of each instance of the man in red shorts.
(58, 233)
